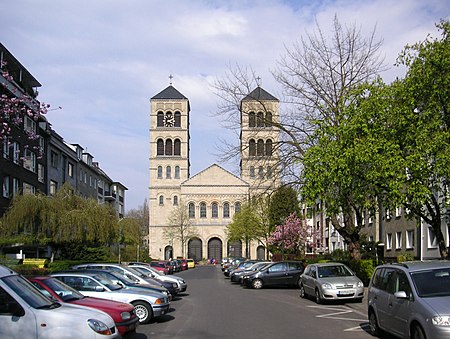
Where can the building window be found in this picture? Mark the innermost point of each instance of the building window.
(160, 147)
(191, 209)
(398, 212)
(30, 125)
(81, 175)
(252, 148)
(268, 119)
(160, 119)
(6, 192)
(5, 149)
(159, 172)
(226, 210)
(202, 210)
(42, 144)
(85, 177)
(169, 147)
(168, 172)
(29, 161)
(389, 241)
(237, 207)
(214, 210)
(269, 148)
(177, 119)
(70, 169)
(53, 187)
(260, 172)
(398, 240)
(41, 172)
(260, 148)
(175, 200)
(161, 200)
(260, 119)
(251, 119)
(54, 159)
(252, 172)
(177, 172)
(28, 188)
(269, 172)
(432, 241)
(15, 148)
(177, 147)
(410, 239)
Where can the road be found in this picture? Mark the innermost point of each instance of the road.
(215, 308)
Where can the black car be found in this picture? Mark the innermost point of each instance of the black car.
(236, 275)
(282, 273)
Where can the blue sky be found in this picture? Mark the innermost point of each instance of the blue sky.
(102, 61)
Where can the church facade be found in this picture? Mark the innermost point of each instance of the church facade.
(206, 202)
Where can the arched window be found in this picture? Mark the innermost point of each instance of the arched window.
(268, 119)
(237, 207)
(251, 119)
(161, 200)
(268, 147)
(177, 172)
(260, 148)
(260, 172)
(214, 210)
(252, 172)
(160, 119)
(202, 210)
(191, 208)
(175, 200)
(260, 119)
(269, 172)
(252, 148)
(226, 210)
(177, 147)
(169, 150)
(160, 147)
(159, 172)
(177, 119)
(168, 172)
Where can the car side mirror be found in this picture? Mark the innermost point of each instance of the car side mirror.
(99, 289)
(401, 295)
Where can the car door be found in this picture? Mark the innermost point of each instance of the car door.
(398, 308)
(379, 295)
(276, 274)
(309, 279)
(293, 272)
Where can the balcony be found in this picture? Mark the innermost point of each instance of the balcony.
(110, 196)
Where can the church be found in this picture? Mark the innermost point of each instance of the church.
(212, 196)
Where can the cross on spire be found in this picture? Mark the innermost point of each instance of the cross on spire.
(258, 81)
(170, 77)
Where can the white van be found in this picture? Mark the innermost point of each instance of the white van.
(27, 313)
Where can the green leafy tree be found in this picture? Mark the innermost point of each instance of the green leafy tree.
(283, 202)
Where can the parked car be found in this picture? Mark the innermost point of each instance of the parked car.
(191, 263)
(162, 266)
(331, 281)
(131, 274)
(27, 313)
(410, 299)
(184, 264)
(175, 265)
(242, 265)
(147, 304)
(236, 275)
(148, 270)
(122, 313)
(280, 273)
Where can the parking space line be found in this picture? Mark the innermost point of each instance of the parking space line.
(339, 311)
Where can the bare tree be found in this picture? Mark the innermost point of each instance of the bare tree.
(180, 227)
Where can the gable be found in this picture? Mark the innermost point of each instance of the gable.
(214, 176)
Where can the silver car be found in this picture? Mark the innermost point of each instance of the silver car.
(411, 299)
(330, 281)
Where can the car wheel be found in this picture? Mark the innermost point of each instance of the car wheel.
(318, 297)
(417, 332)
(143, 311)
(302, 291)
(257, 284)
(373, 324)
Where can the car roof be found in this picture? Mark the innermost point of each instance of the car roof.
(323, 264)
(6, 271)
(421, 265)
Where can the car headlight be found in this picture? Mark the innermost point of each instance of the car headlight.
(360, 284)
(125, 315)
(327, 286)
(99, 327)
(441, 320)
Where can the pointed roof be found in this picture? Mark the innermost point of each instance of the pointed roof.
(170, 93)
(209, 176)
(260, 94)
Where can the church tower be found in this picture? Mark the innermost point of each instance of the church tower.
(169, 159)
(260, 165)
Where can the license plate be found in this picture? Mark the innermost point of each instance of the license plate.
(345, 292)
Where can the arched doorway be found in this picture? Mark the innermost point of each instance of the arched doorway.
(195, 249)
(168, 252)
(215, 249)
(235, 249)
(261, 253)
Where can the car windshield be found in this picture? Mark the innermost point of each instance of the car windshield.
(432, 283)
(143, 271)
(30, 294)
(107, 282)
(65, 292)
(333, 271)
(116, 278)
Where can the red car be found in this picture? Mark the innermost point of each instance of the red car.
(123, 314)
(162, 266)
(184, 264)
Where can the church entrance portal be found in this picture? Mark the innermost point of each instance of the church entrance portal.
(261, 253)
(168, 253)
(215, 249)
(235, 249)
(195, 249)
